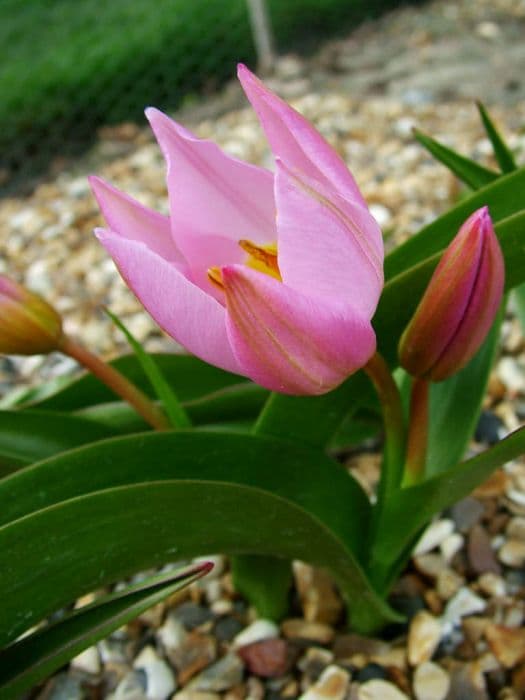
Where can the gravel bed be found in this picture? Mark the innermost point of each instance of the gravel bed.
(464, 591)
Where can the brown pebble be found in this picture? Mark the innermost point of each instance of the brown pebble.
(269, 658)
(507, 644)
(319, 599)
(518, 680)
(347, 645)
(474, 627)
(311, 631)
(196, 652)
(493, 487)
(480, 553)
(434, 601)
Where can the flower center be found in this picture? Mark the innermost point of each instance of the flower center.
(260, 257)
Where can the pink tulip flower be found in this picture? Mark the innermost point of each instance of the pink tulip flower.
(274, 276)
(459, 305)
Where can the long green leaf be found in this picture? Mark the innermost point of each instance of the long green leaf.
(75, 517)
(501, 150)
(241, 401)
(413, 507)
(455, 405)
(165, 393)
(28, 436)
(519, 299)
(33, 658)
(313, 420)
(190, 378)
(504, 197)
(467, 170)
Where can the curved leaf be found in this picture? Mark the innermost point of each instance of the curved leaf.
(504, 197)
(468, 171)
(28, 436)
(33, 658)
(413, 507)
(502, 152)
(280, 499)
(190, 378)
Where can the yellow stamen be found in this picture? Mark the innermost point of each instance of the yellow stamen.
(215, 277)
(262, 258)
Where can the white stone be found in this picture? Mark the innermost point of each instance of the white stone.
(256, 632)
(172, 634)
(513, 553)
(434, 535)
(381, 214)
(451, 545)
(423, 637)
(462, 604)
(88, 661)
(160, 678)
(431, 682)
(492, 584)
(332, 685)
(380, 690)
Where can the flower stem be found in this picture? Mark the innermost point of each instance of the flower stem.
(416, 454)
(117, 383)
(390, 398)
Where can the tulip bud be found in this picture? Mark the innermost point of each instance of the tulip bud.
(28, 324)
(459, 304)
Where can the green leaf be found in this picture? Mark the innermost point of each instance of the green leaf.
(174, 410)
(265, 581)
(455, 405)
(401, 293)
(85, 517)
(190, 378)
(27, 395)
(504, 197)
(28, 436)
(412, 508)
(501, 150)
(467, 170)
(313, 419)
(33, 658)
(519, 300)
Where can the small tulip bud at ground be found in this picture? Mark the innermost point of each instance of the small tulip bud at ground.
(28, 324)
(459, 305)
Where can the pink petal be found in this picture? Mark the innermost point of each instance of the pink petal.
(212, 195)
(329, 247)
(293, 139)
(133, 221)
(290, 343)
(189, 315)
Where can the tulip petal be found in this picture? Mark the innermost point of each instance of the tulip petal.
(212, 194)
(329, 248)
(293, 139)
(130, 219)
(189, 315)
(287, 342)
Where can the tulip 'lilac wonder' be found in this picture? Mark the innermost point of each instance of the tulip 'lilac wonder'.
(459, 305)
(274, 276)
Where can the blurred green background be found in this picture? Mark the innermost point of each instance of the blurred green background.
(70, 66)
